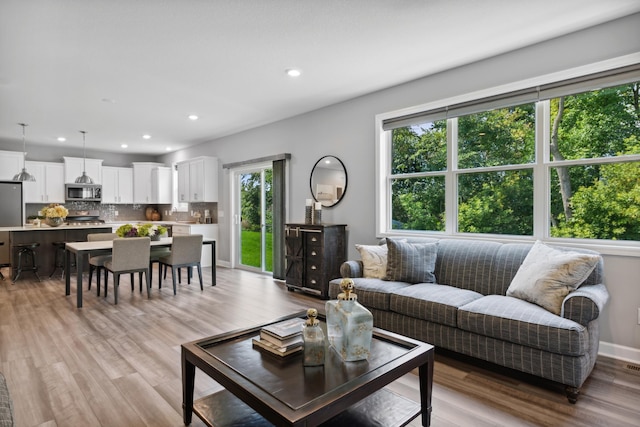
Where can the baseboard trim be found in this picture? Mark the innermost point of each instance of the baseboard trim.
(226, 264)
(619, 352)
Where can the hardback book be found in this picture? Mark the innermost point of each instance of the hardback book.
(275, 350)
(285, 329)
(290, 342)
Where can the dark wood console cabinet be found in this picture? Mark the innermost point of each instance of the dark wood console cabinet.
(314, 255)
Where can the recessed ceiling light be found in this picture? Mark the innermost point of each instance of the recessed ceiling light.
(123, 145)
(193, 117)
(61, 139)
(168, 148)
(293, 72)
(146, 136)
(109, 100)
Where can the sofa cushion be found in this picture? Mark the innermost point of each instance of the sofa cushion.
(547, 275)
(411, 262)
(372, 293)
(514, 320)
(432, 302)
(466, 264)
(374, 260)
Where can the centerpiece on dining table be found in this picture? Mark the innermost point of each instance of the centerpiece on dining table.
(153, 231)
(54, 214)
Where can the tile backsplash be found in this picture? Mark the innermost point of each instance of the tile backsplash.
(135, 212)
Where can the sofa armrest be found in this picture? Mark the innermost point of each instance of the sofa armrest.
(585, 303)
(351, 269)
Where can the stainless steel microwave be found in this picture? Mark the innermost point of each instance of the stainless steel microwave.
(85, 192)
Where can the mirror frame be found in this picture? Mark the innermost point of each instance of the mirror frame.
(339, 192)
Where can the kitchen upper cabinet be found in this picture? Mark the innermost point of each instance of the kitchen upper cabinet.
(142, 181)
(117, 185)
(49, 184)
(162, 185)
(74, 166)
(198, 180)
(10, 164)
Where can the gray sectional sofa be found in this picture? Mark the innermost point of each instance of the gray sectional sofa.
(467, 311)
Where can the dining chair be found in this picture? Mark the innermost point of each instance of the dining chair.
(98, 258)
(130, 255)
(186, 251)
(158, 252)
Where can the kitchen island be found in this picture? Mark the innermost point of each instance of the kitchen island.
(44, 235)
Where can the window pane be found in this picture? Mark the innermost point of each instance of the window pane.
(601, 123)
(419, 148)
(505, 136)
(602, 201)
(418, 204)
(496, 202)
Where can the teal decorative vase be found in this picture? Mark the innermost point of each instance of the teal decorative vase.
(349, 325)
(313, 340)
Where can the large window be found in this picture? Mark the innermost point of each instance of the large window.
(559, 161)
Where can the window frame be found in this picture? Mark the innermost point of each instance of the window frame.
(542, 166)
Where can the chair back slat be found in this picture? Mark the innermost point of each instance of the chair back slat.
(96, 237)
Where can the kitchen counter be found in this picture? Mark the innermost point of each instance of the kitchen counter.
(45, 227)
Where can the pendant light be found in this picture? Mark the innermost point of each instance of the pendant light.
(24, 175)
(84, 178)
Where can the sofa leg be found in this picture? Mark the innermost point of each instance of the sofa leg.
(572, 394)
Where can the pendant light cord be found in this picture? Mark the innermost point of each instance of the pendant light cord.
(24, 144)
(84, 152)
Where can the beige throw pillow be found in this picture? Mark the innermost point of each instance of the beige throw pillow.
(374, 260)
(547, 275)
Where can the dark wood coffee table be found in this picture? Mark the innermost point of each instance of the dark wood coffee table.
(261, 390)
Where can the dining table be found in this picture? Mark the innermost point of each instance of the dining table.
(82, 250)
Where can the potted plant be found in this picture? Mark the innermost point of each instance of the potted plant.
(55, 214)
(153, 231)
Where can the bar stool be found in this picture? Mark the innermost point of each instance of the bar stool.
(2, 265)
(28, 250)
(58, 259)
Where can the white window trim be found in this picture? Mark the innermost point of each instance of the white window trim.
(541, 167)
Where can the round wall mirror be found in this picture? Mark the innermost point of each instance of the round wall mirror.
(328, 181)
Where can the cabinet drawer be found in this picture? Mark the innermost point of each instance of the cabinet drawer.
(314, 280)
(313, 240)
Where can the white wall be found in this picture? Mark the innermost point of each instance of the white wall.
(346, 130)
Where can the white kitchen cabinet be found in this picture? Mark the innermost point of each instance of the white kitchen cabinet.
(198, 180)
(142, 181)
(117, 185)
(207, 230)
(10, 164)
(74, 166)
(49, 184)
(161, 185)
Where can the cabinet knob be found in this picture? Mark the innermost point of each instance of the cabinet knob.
(313, 253)
(313, 239)
(313, 282)
(313, 267)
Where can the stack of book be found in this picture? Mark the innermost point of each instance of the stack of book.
(281, 339)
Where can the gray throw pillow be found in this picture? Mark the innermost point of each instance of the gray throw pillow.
(411, 262)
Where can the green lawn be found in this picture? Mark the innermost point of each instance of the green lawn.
(251, 249)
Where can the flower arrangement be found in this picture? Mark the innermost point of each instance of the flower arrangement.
(54, 210)
(141, 230)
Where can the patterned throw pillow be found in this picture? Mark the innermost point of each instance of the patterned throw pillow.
(411, 262)
(374, 260)
(547, 275)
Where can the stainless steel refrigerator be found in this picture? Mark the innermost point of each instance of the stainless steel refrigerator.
(11, 214)
(11, 204)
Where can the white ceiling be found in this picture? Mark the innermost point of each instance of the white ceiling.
(122, 68)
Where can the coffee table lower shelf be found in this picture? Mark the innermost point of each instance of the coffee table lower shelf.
(382, 408)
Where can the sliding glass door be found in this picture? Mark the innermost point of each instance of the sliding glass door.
(254, 229)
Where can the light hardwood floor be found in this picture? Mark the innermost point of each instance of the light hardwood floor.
(108, 365)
